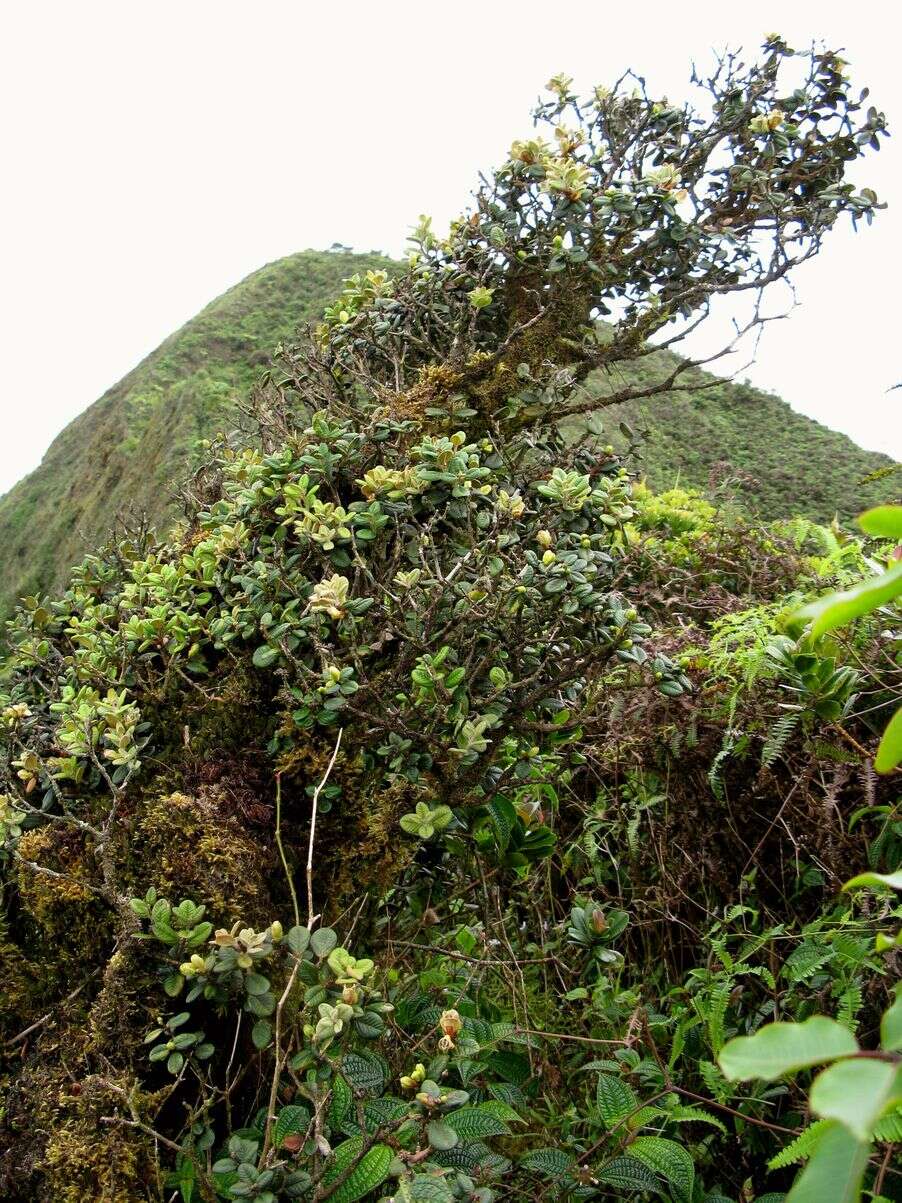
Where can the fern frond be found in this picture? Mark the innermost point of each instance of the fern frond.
(800, 1148)
(778, 737)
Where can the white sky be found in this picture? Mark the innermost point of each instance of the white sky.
(158, 152)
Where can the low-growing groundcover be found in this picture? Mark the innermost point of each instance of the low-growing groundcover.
(436, 814)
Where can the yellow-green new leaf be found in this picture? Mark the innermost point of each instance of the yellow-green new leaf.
(780, 1048)
(891, 1026)
(892, 881)
(856, 1092)
(889, 753)
(883, 522)
(839, 609)
(835, 1171)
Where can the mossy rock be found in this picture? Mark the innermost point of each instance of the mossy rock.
(192, 847)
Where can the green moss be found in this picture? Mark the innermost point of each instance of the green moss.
(192, 847)
(86, 1158)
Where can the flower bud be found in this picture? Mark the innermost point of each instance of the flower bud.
(549, 557)
(186, 969)
(545, 538)
(276, 931)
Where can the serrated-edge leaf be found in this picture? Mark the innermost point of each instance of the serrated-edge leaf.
(667, 1158)
(550, 1161)
(614, 1099)
(290, 1121)
(472, 1123)
(627, 1173)
(371, 1171)
(342, 1097)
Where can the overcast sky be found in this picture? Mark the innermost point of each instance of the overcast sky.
(156, 153)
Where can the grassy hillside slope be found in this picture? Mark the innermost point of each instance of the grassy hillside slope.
(124, 452)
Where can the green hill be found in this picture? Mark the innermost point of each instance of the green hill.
(125, 453)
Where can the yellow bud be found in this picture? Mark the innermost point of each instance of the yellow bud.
(549, 557)
(198, 963)
(544, 538)
(186, 969)
(276, 931)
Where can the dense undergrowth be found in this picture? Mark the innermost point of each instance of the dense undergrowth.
(128, 452)
(432, 813)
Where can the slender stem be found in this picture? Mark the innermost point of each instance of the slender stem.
(316, 794)
(281, 847)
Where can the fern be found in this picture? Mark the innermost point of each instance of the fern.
(849, 1005)
(889, 1127)
(778, 737)
(715, 778)
(716, 1012)
(800, 1148)
(804, 961)
(693, 1115)
(714, 1080)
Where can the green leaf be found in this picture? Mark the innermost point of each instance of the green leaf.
(669, 1159)
(441, 1136)
(835, 1171)
(801, 1148)
(265, 655)
(424, 1188)
(473, 1123)
(298, 939)
(615, 1099)
(875, 880)
(779, 1048)
(290, 1121)
(550, 1162)
(504, 820)
(256, 983)
(261, 1033)
(371, 1170)
(323, 941)
(889, 752)
(891, 1025)
(340, 1103)
(856, 1092)
(364, 1071)
(882, 522)
(839, 609)
(626, 1173)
